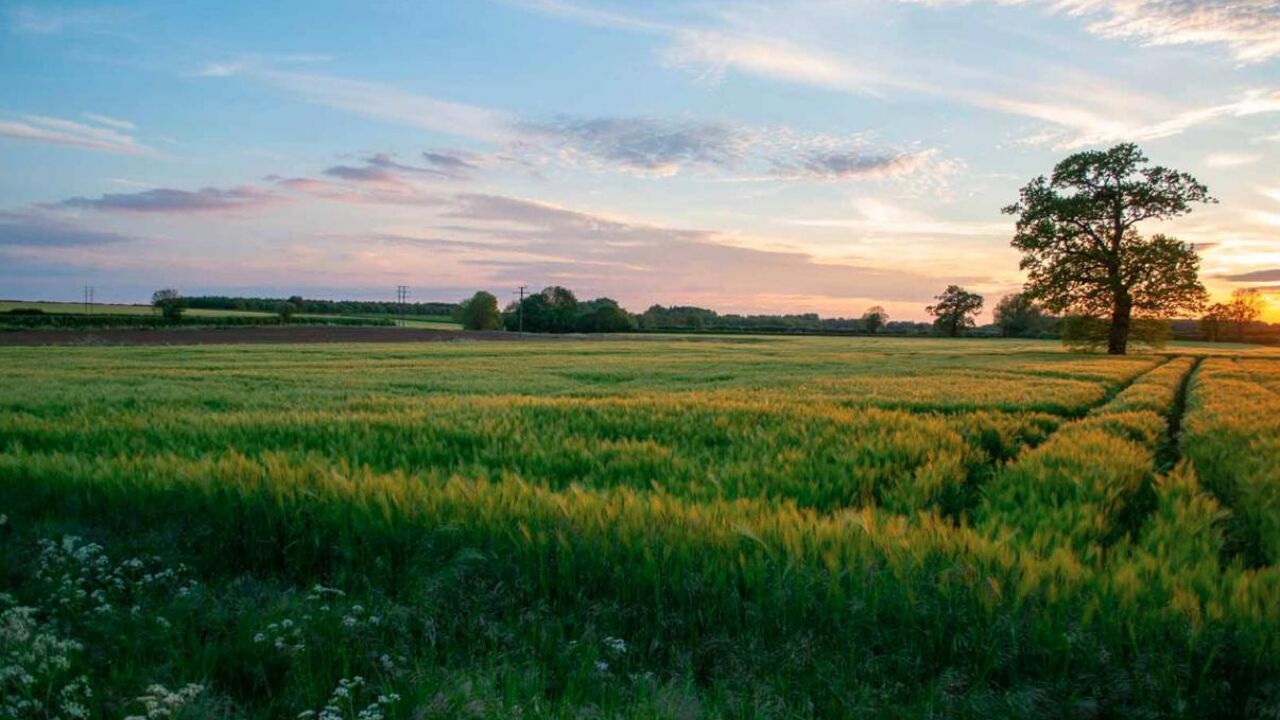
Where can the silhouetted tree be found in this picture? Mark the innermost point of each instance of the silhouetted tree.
(874, 319)
(169, 302)
(1076, 231)
(1017, 315)
(480, 312)
(954, 310)
(1244, 308)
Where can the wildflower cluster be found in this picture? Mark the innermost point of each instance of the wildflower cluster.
(161, 703)
(82, 579)
(345, 700)
(36, 678)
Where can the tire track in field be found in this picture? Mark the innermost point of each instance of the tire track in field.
(1095, 461)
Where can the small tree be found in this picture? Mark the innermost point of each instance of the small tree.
(169, 302)
(874, 319)
(480, 312)
(955, 310)
(1017, 315)
(1244, 309)
(1214, 322)
(1081, 249)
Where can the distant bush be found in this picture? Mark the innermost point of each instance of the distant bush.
(26, 311)
(480, 312)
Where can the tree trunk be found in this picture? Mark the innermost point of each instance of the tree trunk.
(1121, 315)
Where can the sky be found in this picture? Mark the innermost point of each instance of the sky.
(790, 156)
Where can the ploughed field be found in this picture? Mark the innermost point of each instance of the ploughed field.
(749, 527)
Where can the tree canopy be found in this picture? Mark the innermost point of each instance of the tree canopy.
(480, 312)
(955, 310)
(874, 319)
(1077, 231)
(1018, 315)
(169, 302)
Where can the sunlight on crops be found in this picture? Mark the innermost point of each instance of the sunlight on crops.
(639, 529)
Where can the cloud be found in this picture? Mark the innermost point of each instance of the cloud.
(645, 145)
(877, 217)
(1077, 110)
(57, 131)
(853, 164)
(359, 193)
(600, 254)
(388, 103)
(28, 19)
(109, 121)
(1271, 275)
(1230, 160)
(168, 200)
(383, 169)
(29, 229)
(1250, 29)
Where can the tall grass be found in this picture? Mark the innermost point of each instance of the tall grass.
(633, 530)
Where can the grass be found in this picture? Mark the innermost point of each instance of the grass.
(745, 527)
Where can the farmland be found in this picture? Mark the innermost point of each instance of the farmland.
(745, 527)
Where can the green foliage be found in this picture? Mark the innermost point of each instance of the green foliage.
(169, 302)
(1091, 334)
(874, 319)
(762, 527)
(480, 312)
(1018, 315)
(955, 310)
(1077, 231)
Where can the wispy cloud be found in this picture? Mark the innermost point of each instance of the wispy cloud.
(1076, 111)
(1249, 29)
(169, 200)
(1270, 275)
(645, 145)
(598, 253)
(388, 103)
(1230, 160)
(109, 121)
(38, 230)
(851, 164)
(45, 20)
(109, 135)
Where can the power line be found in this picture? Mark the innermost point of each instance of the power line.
(88, 299)
(520, 306)
(402, 297)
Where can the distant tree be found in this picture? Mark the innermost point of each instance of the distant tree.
(1213, 323)
(874, 319)
(604, 315)
(554, 310)
(955, 310)
(1076, 231)
(1244, 309)
(169, 302)
(285, 311)
(1017, 315)
(480, 312)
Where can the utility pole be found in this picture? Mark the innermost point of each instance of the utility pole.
(402, 297)
(88, 299)
(520, 307)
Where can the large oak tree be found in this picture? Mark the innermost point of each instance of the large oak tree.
(955, 310)
(1077, 231)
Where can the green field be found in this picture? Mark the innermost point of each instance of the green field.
(666, 528)
(429, 322)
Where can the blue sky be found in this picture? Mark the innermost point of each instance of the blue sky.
(762, 156)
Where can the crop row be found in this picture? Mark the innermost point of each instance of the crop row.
(831, 609)
(823, 455)
(1232, 434)
(1090, 483)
